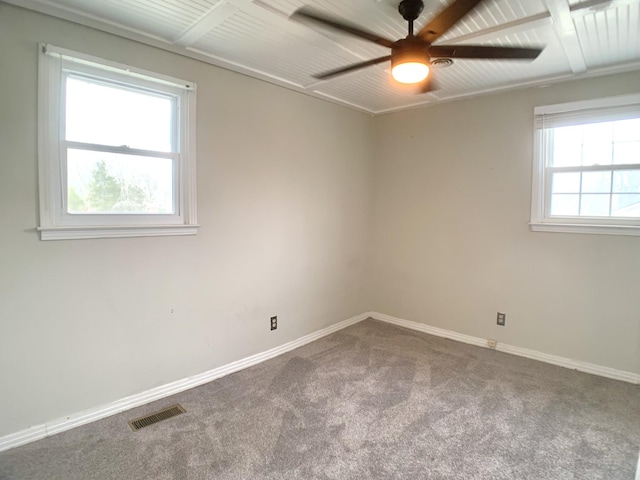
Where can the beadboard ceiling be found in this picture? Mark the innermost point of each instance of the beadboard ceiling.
(256, 38)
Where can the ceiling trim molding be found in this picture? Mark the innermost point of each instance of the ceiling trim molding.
(240, 68)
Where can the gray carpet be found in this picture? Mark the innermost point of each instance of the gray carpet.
(373, 401)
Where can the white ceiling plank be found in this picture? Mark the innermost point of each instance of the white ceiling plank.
(516, 26)
(565, 29)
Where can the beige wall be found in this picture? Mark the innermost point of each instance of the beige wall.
(283, 200)
(451, 243)
(309, 211)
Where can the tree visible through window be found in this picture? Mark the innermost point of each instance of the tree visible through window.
(106, 193)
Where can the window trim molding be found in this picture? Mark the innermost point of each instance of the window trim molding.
(115, 231)
(597, 229)
(540, 221)
(51, 225)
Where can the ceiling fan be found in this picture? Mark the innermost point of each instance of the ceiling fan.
(411, 56)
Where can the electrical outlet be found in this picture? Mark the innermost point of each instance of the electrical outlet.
(491, 343)
(502, 319)
(274, 322)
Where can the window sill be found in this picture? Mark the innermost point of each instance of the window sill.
(115, 231)
(633, 230)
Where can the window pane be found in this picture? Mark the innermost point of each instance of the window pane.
(594, 205)
(597, 148)
(596, 182)
(626, 181)
(567, 147)
(597, 153)
(99, 182)
(627, 130)
(107, 114)
(626, 152)
(625, 205)
(563, 204)
(566, 182)
(598, 132)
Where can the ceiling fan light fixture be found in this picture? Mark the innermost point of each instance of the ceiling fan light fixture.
(410, 72)
(410, 66)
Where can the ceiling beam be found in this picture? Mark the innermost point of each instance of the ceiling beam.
(565, 29)
(214, 17)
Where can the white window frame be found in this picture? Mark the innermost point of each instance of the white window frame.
(610, 108)
(56, 223)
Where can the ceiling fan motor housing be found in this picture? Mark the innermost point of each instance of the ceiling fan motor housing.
(410, 50)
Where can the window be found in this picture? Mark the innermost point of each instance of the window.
(587, 167)
(116, 149)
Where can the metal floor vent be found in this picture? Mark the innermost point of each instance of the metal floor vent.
(156, 417)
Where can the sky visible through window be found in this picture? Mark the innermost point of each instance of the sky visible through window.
(596, 192)
(104, 182)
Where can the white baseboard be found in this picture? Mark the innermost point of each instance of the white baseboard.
(581, 366)
(23, 437)
(52, 427)
(423, 327)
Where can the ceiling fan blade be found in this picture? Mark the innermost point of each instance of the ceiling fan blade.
(355, 66)
(303, 15)
(428, 85)
(446, 19)
(483, 51)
